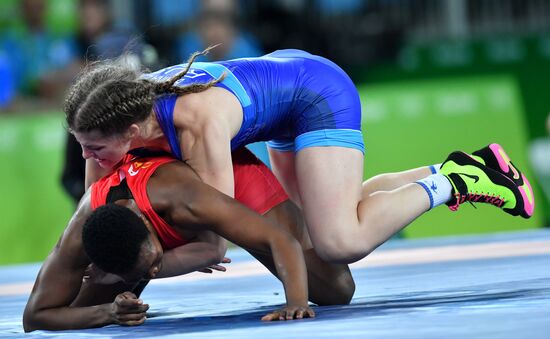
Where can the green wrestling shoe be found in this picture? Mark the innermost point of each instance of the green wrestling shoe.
(474, 182)
(493, 156)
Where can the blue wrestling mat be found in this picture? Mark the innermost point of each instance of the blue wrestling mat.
(490, 286)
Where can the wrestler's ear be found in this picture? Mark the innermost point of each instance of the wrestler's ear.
(153, 271)
(133, 131)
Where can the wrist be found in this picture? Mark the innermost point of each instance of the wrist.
(107, 314)
(297, 301)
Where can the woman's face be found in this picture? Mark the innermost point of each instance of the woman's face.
(106, 151)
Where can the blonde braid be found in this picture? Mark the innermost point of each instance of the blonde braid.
(170, 87)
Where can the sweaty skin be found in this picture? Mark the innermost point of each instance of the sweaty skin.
(191, 207)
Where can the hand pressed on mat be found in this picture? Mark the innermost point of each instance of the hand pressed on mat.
(290, 313)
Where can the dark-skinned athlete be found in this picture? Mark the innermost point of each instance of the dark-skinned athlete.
(164, 207)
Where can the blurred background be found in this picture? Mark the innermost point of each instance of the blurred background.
(434, 76)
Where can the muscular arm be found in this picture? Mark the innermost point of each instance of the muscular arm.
(197, 206)
(205, 140)
(58, 283)
(202, 120)
(209, 154)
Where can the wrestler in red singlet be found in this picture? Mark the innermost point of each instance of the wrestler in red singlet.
(255, 186)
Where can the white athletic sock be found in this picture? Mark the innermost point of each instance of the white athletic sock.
(438, 188)
(435, 168)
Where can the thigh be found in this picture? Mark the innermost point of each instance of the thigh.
(283, 166)
(329, 181)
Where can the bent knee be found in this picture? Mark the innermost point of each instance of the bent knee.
(340, 292)
(343, 292)
(341, 251)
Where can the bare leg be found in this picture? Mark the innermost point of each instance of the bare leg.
(329, 284)
(283, 166)
(345, 225)
(391, 181)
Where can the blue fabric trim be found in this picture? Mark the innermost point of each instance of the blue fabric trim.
(233, 84)
(348, 138)
(164, 111)
(196, 74)
(281, 145)
(429, 193)
(432, 169)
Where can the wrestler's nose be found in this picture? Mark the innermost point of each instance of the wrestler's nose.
(86, 154)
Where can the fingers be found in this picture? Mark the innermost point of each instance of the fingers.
(128, 310)
(127, 295)
(127, 302)
(290, 313)
(271, 316)
(226, 260)
(132, 319)
(133, 323)
(218, 268)
(212, 268)
(299, 315)
(132, 309)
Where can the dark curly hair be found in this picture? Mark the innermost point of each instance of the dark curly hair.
(113, 236)
(111, 95)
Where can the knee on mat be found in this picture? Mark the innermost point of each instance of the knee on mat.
(341, 293)
(345, 288)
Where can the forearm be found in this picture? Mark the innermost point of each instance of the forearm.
(189, 258)
(65, 318)
(292, 272)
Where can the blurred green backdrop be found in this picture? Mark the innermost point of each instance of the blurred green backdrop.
(34, 208)
(417, 123)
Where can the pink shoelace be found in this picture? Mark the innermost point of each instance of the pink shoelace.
(492, 199)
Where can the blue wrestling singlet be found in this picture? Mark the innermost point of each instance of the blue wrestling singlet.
(290, 98)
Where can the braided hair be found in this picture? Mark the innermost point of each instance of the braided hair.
(110, 95)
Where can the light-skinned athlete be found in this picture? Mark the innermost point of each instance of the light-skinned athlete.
(309, 111)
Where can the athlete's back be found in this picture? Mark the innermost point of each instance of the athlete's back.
(283, 94)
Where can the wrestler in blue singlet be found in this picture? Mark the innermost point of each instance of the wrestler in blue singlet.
(290, 98)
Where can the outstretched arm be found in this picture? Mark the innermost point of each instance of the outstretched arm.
(211, 210)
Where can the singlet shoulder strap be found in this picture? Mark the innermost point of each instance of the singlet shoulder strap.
(164, 111)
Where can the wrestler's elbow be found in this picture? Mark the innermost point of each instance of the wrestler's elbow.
(30, 322)
(34, 317)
